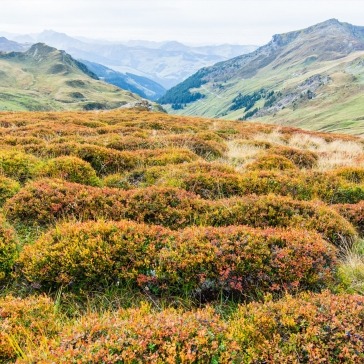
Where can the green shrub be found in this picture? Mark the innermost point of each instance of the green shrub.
(17, 165)
(116, 180)
(71, 169)
(8, 188)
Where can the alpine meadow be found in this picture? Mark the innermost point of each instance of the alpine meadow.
(171, 195)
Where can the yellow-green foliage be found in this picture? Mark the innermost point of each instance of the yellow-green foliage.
(17, 165)
(8, 248)
(272, 162)
(71, 169)
(8, 188)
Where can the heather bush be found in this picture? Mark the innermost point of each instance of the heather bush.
(8, 188)
(351, 174)
(272, 162)
(71, 169)
(310, 328)
(353, 213)
(17, 165)
(45, 201)
(207, 149)
(301, 158)
(8, 248)
(141, 335)
(191, 261)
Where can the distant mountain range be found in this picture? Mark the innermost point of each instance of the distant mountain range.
(311, 78)
(44, 78)
(140, 85)
(166, 63)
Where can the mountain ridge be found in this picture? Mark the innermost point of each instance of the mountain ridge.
(241, 88)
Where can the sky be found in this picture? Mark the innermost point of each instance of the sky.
(187, 21)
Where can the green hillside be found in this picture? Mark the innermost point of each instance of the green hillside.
(44, 78)
(311, 78)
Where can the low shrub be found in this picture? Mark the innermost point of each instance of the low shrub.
(285, 184)
(207, 149)
(8, 188)
(193, 260)
(333, 189)
(271, 162)
(310, 328)
(25, 323)
(116, 180)
(213, 185)
(140, 335)
(353, 213)
(8, 248)
(163, 157)
(17, 165)
(71, 169)
(46, 201)
(351, 174)
(279, 211)
(301, 158)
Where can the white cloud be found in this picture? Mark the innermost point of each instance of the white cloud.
(194, 21)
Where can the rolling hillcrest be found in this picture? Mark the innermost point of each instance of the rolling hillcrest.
(312, 78)
(44, 78)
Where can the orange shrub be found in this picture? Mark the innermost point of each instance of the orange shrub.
(277, 211)
(140, 335)
(8, 248)
(353, 213)
(311, 328)
(44, 201)
(271, 162)
(70, 168)
(194, 260)
(24, 322)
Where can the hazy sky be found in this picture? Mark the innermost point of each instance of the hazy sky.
(190, 21)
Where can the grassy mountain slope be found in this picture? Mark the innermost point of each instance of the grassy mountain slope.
(142, 86)
(44, 78)
(313, 78)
